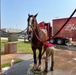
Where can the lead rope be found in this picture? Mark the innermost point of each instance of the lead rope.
(57, 32)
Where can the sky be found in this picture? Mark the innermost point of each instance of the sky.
(14, 13)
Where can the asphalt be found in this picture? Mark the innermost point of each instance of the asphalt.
(65, 64)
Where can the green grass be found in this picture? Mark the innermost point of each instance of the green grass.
(24, 47)
(21, 46)
(9, 64)
(2, 45)
(3, 42)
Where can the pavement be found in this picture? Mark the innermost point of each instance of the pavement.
(65, 63)
(18, 69)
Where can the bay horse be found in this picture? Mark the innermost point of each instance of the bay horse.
(35, 43)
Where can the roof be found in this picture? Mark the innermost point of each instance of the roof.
(64, 18)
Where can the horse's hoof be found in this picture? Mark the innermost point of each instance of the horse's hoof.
(35, 67)
(39, 68)
(46, 70)
(51, 69)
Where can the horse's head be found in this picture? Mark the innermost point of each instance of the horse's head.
(32, 21)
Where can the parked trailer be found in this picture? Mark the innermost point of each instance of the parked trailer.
(55, 40)
(69, 31)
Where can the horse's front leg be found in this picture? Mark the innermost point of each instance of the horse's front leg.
(34, 57)
(39, 56)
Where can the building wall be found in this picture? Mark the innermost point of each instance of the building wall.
(11, 30)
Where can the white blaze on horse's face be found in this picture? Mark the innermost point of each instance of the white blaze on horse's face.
(30, 22)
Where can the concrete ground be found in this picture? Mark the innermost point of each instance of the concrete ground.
(65, 64)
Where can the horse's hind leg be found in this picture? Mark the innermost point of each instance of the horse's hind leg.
(52, 61)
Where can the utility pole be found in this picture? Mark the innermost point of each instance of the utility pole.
(0, 45)
(0, 37)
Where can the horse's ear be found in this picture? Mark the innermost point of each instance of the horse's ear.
(28, 14)
(36, 15)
